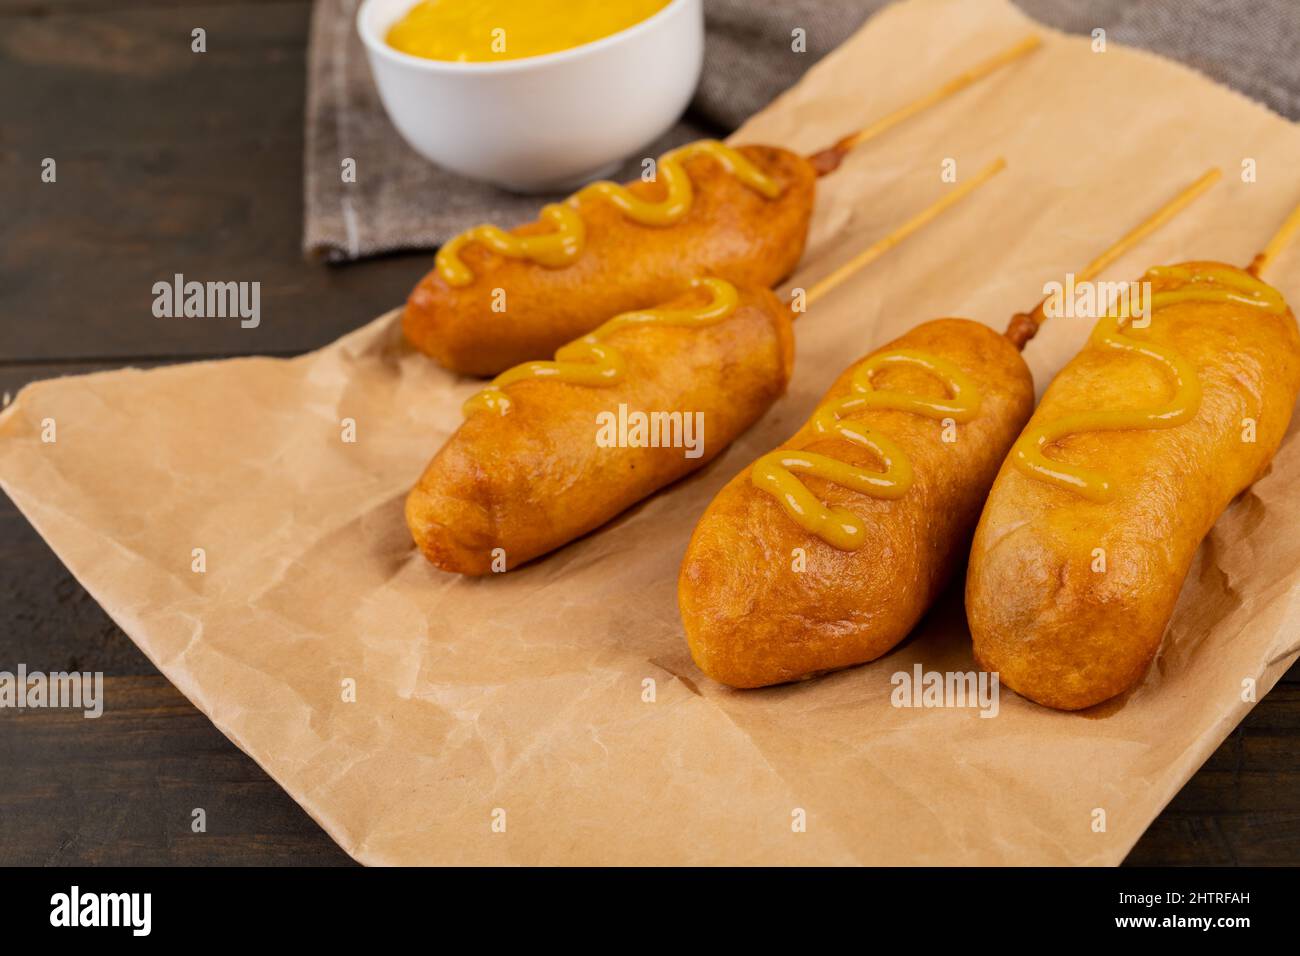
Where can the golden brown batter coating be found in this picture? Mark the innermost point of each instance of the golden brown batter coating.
(751, 620)
(534, 479)
(730, 231)
(1060, 627)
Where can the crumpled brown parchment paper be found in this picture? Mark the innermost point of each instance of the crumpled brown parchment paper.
(521, 698)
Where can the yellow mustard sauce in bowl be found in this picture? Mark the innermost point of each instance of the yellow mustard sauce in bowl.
(477, 31)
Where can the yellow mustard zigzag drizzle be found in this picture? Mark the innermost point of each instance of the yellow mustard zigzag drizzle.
(589, 361)
(840, 527)
(563, 245)
(1208, 284)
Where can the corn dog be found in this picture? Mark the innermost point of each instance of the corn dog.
(497, 298)
(826, 552)
(1138, 446)
(528, 470)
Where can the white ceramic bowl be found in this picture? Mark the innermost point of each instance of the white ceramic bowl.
(543, 123)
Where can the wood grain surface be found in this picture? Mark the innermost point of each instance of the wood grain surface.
(170, 161)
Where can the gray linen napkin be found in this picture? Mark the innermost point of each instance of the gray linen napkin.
(401, 201)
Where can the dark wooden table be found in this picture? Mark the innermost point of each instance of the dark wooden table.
(171, 162)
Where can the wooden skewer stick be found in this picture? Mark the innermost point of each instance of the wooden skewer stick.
(1024, 325)
(829, 159)
(1280, 238)
(885, 243)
